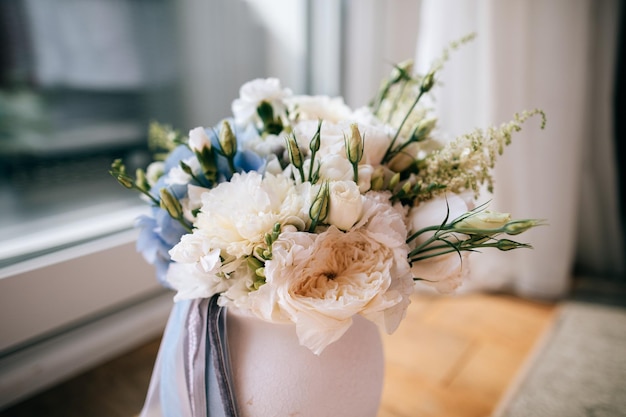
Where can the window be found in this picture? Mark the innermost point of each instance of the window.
(80, 80)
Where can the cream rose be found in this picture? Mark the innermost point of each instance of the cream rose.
(319, 281)
(346, 204)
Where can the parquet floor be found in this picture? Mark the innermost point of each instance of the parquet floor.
(456, 356)
(451, 357)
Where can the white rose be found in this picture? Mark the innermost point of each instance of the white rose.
(337, 168)
(444, 273)
(433, 212)
(199, 140)
(346, 204)
(252, 93)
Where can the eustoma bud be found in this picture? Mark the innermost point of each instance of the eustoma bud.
(171, 204)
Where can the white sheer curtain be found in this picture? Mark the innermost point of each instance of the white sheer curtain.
(557, 55)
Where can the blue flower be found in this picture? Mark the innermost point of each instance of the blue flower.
(158, 233)
(179, 153)
(245, 160)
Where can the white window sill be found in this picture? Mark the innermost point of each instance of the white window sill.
(78, 287)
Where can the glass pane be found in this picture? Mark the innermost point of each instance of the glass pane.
(80, 80)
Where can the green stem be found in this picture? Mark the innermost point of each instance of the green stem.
(444, 227)
(406, 117)
(231, 164)
(146, 193)
(381, 97)
(396, 101)
(182, 221)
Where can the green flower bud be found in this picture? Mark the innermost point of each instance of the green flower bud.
(319, 209)
(428, 82)
(272, 125)
(378, 179)
(506, 244)
(124, 179)
(118, 166)
(316, 141)
(171, 204)
(276, 231)
(394, 181)
(259, 282)
(186, 168)
(354, 145)
(207, 163)
(484, 220)
(423, 128)
(401, 71)
(295, 155)
(254, 263)
(519, 226)
(227, 139)
(265, 112)
(141, 180)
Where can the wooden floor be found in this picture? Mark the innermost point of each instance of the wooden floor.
(451, 357)
(456, 356)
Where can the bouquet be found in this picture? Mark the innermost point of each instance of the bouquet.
(302, 210)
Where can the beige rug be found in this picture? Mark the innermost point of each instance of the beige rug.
(578, 369)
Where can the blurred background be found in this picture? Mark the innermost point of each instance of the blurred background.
(81, 79)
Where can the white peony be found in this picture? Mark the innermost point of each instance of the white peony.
(236, 215)
(252, 93)
(198, 278)
(193, 201)
(319, 281)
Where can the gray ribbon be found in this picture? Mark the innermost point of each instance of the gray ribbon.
(218, 346)
(207, 361)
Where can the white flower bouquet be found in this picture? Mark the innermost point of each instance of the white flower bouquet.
(300, 209)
